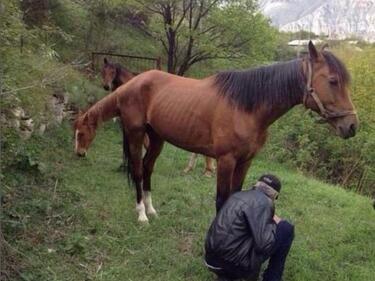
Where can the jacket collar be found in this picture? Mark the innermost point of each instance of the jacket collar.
(266, 189)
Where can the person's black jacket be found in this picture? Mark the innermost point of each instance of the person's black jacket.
(243, 233)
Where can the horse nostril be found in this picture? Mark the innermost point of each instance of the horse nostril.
(106, 87)
(352, 129)
(81, 154)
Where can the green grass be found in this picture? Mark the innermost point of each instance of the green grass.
(84, 226)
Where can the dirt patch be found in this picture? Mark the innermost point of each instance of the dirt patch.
(185, 244)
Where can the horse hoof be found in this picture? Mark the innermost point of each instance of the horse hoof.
(152, 212)
(143, 219)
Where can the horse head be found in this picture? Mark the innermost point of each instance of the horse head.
(84, 133)
(328, 91)
(109, 73)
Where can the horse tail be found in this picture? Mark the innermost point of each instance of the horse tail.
(127, 163)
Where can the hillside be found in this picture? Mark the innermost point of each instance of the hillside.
(67, 218)
(83, 226)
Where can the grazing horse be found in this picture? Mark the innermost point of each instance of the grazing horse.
(115, 75)
(224, 116)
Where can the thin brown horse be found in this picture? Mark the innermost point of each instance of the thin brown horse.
(224, 116)
(115, 75)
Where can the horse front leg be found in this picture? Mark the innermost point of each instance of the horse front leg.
(239, 175)
(225, 169)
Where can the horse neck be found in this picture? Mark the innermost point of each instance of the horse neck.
(124, 76)
(104, 109)
(270, 113)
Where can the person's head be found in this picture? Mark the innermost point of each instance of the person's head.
(269, 185)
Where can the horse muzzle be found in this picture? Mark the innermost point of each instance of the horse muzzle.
(81, 153)
(347, 132)
(348, 127)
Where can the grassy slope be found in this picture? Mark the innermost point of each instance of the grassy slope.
(86, 229)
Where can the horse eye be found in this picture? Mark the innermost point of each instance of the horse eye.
(333, 81)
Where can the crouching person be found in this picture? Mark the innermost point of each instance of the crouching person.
(246, 232)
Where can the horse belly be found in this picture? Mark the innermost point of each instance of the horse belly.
(184, 121)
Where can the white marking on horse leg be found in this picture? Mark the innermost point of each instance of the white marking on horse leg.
(148, 202)
(141, 210)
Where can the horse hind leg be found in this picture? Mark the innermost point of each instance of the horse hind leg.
(191, 163)
(154, 149)
(209, 169)
(133, 143)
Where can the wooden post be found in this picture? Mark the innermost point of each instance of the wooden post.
(92, 61)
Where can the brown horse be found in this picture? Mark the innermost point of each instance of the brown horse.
(224, 116)
(115, 75)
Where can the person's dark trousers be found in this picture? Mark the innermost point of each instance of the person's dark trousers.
(234, 273)
(284, 239)
(223, 275)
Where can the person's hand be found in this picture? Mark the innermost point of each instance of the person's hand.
(276, 219)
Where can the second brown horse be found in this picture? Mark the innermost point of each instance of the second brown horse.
(224, 116)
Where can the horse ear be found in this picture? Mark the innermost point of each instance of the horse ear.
(105, 61)
(325, 46)
(313, 53)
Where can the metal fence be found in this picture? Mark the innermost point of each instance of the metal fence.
(130, 62)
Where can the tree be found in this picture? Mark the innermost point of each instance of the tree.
(192, 31)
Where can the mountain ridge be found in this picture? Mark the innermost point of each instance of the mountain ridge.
(339, 19)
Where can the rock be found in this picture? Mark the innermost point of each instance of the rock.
(17, 112)
(42, 129)
(3, 119)
(27, 124)
(25, 134)
(57, 106)
(15, 123)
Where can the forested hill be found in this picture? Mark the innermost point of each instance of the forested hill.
(69, 219)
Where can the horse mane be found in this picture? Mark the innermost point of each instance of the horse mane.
(280, 83)
(97, 109)
(335, 65)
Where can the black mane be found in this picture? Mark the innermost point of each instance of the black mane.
(336, 66)
(280, 83)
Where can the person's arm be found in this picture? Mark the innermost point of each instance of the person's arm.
(263, 227)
